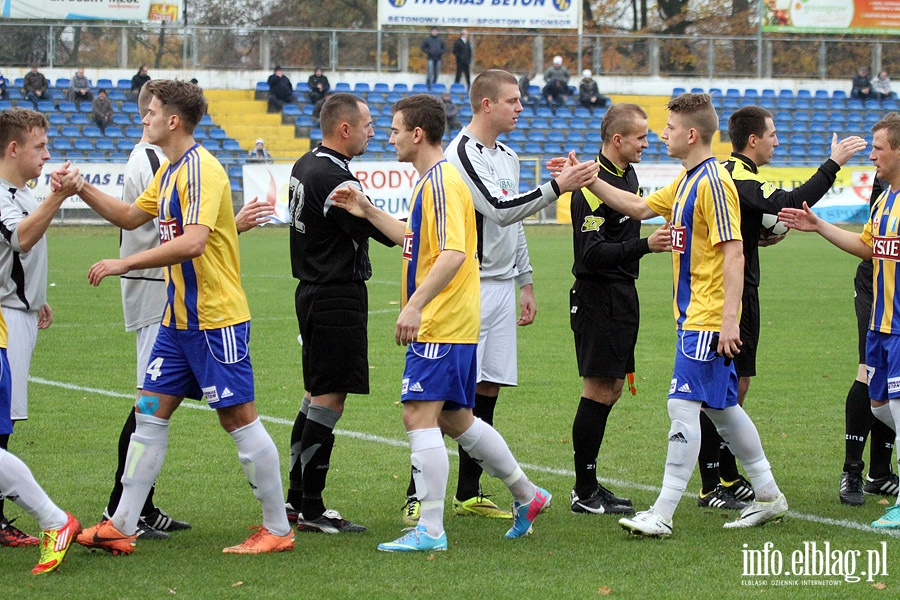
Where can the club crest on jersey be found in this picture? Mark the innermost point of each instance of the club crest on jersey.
(506, 185)
(592, 223)
(886, 248)
(169, 229)
(679, 239)
(407, 245)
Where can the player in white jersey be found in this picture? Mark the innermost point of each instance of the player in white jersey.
(490, 169)
(23, 261)
(143, 298)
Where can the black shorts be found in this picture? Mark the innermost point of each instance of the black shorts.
(745, 361)
(333, 320)
(605, 318)
(862, 301)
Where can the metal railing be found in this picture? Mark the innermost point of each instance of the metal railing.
(175, 46)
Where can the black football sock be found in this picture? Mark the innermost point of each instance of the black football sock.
(4, 443)
(315, 456)
(467, 483)
(411, 488)
(587, 436)
(708, 460)
(881, 449)
(295, 469)
(728, 470)
(858, 421)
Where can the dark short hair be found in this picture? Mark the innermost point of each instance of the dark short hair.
(339, 108)
(698, 112)
(15, 123)
(744, 122)
(424, 111)
(180, 98)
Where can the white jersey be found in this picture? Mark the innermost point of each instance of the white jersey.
(24, 274)
(143, 291)
(492, 175)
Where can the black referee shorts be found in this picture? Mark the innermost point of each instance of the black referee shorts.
(862, 302)
(745, 361)
(333, 319)
(605, 318)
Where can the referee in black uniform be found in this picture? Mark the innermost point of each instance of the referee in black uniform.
(604, 310)
(753, 141)
(330, 258)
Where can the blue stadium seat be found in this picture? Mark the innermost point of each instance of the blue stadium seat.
(576, 123)
(68, 107)
(79, 119)
(212, 145)
(62, 83)
(890, 104)
(217, 133)
(678, 91)
(380, 134)
(375, 98)
(106, 145)
(797, 139)
(816, 104)
(116, 96)
(84, 144)
(113, 132)
(54, 118)
(554, 148)
(383, 122)
(236, 185)
(556, 136)
(134, 132)
(304, 121)
(124, 85)
(576, 137)
(302, 87)
(458, 88)
(751, 93)
(262, 87)
(839, 94)
(96, 156)
(536, 135)
(817, 139)
(419, 88)
(821, 94)
(593, 136)
(75, 156)
(62, 144)
(767, 103)
(540, 123)
(818, 127)
(854, 104)
(731, 103)
(400, 88)
(438, 88)
(801, 115)
(45, 106)
(70, 131)
(854, 117)
(697, 90)
(105, 84)
(121, 119)
(872, 104)
(788, 94)
(361, 88)
(130, 107)
(559, 124)
(768, 93)
(381, 87)
(544, 112)
(125, 145)
(290, 110)
(231, 146)
(784, 103)
(533, 148)
(804, 93)
(564, 112)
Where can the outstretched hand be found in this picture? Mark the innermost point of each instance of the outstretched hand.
(351, 199)
(801, 219)
(844, 150)
(253, 213)
(661, 239)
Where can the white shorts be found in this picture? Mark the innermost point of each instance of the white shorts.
(497, 339)
(146, 336)
(22, 326)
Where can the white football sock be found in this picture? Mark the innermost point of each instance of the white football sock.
(430, 469)
(485, 444)
(259, 459)
(146, 453)
(19, 485)
(681, 456)
(737, 429)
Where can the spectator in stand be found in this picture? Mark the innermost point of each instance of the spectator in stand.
(281, 91)
(101, 110)
(881, 86)
(434, 47)
(4, 93)
(862, 86)
(462, 50)
(555, 93)
(589, 95)
(36, 87)
(525, 96)
(317, 109)
(318, 86)
(138, 81)
(80, 87)
(451, 113)
(259, 154)
(557, 71)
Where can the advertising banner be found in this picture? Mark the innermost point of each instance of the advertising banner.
(832, 16)
(508, 14)
(388, 184)
(86, 10)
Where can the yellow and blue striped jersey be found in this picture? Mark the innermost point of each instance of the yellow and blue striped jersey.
(203, 293)
(703, 210)
(442, 217)
(882, 234)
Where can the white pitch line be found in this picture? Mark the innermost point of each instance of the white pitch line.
(367, 437)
